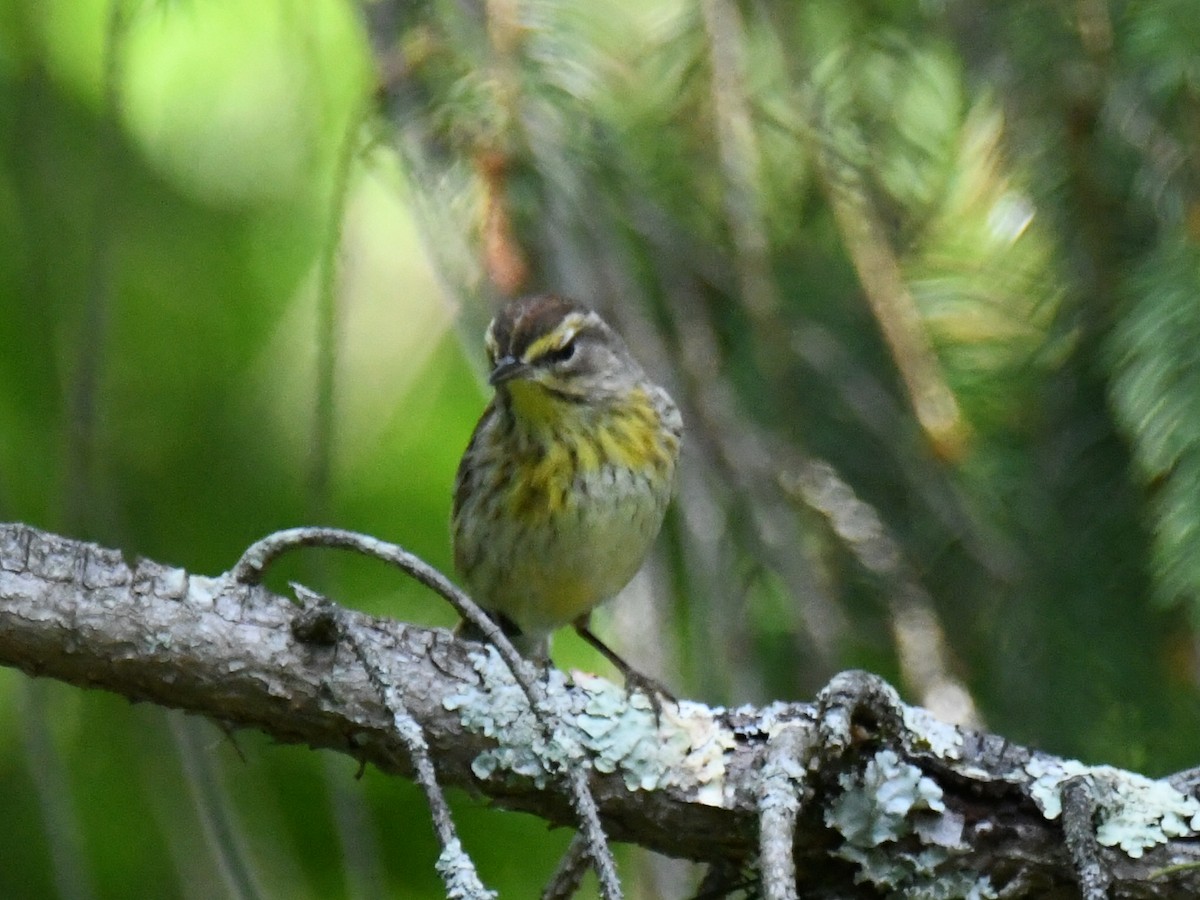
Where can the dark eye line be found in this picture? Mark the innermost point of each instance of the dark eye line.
(561, 354)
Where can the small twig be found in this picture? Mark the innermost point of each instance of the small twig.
(845, 699)
(585, 807)
(781, 792)
(261, 554)
(1168, 871)
(1079, 829)
(571, 869)
(255, 561)
(721, 880)
(454, 865)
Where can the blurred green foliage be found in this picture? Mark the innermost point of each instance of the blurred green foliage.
(923, 276)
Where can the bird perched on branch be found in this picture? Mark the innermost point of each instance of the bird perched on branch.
(564, 484)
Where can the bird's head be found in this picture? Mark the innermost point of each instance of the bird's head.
(549, 354)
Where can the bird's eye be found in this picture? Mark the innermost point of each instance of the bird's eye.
(562, 354)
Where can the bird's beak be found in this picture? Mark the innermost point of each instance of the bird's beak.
(506, 369)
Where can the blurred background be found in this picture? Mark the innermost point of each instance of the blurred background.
(923, 275)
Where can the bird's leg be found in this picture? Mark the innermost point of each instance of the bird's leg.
(634, 680)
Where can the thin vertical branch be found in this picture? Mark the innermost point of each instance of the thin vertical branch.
(359, 844)
(454, 865)
(325, 399)
(893, 305)
(213, 807)
(504, 259)
(64, 836)
(782, 791)
(63, 831)
(738, 151)
(91, 343)
(571, 869)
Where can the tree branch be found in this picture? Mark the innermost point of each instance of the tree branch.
(888, 800)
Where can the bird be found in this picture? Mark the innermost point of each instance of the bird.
(566, 479)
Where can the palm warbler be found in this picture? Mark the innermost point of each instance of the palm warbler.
(562, 489)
